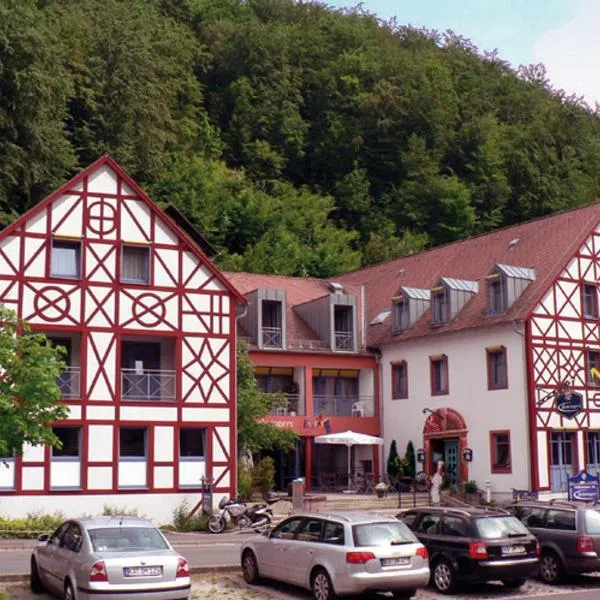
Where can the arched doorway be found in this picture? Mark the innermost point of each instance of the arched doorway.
(444, 438)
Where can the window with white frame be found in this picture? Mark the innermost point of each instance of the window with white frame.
(66, 259)
(191, 443)
(135, 264)
(589, 300)
(65, 470)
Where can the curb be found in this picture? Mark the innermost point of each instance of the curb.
(199, 570)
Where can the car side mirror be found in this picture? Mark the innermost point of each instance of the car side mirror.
(43, 538)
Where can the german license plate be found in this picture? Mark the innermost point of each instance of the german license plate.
(395, 562)
(142, 571)
(510, 550)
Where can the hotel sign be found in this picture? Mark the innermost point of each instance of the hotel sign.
(569, 404)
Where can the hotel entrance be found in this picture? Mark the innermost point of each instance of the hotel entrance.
(446, 450)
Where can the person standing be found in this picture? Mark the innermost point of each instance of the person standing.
(436, 483)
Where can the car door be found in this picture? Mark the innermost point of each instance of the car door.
(428, 529)
(47, 559)
(273, 559)
(68, 550)
(304, 548)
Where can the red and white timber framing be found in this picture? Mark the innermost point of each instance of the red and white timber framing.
(559, 338)
(187, 304)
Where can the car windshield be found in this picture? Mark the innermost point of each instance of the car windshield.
(382, 534)
(492, 528)
(592, 521)
(126, 539)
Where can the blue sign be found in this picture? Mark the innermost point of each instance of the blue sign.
(524, 495)
(570, 404)
(583, 486)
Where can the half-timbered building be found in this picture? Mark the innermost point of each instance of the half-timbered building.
(148, 324)
(490, 352)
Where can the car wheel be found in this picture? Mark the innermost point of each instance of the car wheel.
(34, 578)
(514, 583)
(321, 586)
(216, 524)
(551, 569)
(69, 594)
(444, 577)
(405, 595)
(250, 567)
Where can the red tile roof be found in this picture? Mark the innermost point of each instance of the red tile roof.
(298, 291)
(546, 244)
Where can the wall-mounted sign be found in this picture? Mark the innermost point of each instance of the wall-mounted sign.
(569, 404)
(467, 454)
(420, 454)
(583, 486)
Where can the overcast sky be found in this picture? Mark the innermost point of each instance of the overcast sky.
(562, 34)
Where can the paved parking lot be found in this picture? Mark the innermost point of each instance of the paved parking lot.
(233, 587)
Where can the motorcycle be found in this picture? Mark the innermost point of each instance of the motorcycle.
(237, 511)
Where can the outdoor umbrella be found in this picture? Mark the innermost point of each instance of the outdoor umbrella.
(349, 439)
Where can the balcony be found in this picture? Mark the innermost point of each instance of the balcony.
(344, 340)
(272, 337)
(295, 406)
(344, 406)
(148, 384)
(69, 382)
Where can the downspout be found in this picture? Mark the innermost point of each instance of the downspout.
(363, 315)
(235, 420)
(531, 410)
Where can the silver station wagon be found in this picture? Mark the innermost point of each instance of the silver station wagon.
(116, 558)
(339, 553)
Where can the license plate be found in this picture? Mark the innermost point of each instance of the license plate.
(142, 571)
(395, 562)
(509, 550)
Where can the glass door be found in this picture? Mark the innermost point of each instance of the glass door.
(451, 460)
(561, 460)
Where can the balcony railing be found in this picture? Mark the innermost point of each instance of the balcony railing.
(272, 337)
(344, 340)
(69, 382)
(149, 384)
(294, 407)
(344, 406)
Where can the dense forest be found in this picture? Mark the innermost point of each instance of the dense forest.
(302, 140)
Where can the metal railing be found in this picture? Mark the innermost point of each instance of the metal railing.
(69, 382)
(149, 384)
(344, 406)
(344, 340)
(272, 337)
(293, 407)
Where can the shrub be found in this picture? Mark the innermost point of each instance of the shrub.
(244, 483)
(199, 522)
(470, 487)
(392, 461)
(31, 526)
(409, 460)
(264, 475)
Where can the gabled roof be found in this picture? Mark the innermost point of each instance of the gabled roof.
(544, 245)
(107, 160)
(299, 290)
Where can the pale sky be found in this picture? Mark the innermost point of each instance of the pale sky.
(562, 34)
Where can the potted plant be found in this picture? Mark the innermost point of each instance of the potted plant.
(471, 492)
(381, 488)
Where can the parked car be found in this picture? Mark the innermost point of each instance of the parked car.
(569, 535)
(339, 553)
(109, 558)
(473, 545)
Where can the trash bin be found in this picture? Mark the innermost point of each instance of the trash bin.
(298, 494)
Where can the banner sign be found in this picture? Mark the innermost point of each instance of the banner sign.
(583, 486)
(569, 404)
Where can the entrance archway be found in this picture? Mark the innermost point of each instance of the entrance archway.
(444, 438)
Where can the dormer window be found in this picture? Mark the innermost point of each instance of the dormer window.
(272, 331)
(439, 306)
(401, 314)
(504, 285)
(343, 328)
(497, 300)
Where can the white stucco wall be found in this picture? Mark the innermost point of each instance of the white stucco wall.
(482, 409)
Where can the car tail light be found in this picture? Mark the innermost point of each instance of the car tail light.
(359, 558)
(183, 570)
(478, 551)
(422, 552)
(585, 544)
(98, 572)
(538, 549)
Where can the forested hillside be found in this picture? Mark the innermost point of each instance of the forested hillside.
(302, 140)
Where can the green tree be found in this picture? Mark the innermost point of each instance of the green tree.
(392, 460)
(409, 460)
(255, 434)
(29, 393)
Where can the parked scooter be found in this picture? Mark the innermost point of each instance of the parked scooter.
(256, 516)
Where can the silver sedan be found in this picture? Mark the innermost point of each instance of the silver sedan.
(116, 558)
